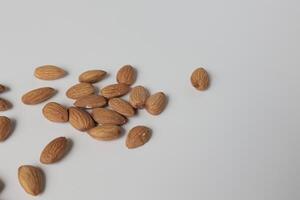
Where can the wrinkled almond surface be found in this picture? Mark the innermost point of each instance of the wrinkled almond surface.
(92, 76)
(31, 179)
(115, 90)
(138, 136)
(156, 103)
(80, 90)
(38, 95)
(54, 151)
(105, 132)
(90, 101)
(49, 72)
(138, 96)
(80, 119)
(5, 127)
(121, 106)
(106, 116)
(2, 88)
(55, 112)
(200, 79)
(4, 104)
(127, 75)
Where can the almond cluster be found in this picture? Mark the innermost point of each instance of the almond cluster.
(6, 124)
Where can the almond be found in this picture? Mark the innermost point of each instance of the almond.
(156, 103)
(38, 95)
(115, 90)
(138, 136)
(49, 72)
(5, 127)
(80, 90)
(106, 116)
(91, 101)
(31, 179)
(2, 88)
(80, 119)
(92, 76)
(55, 112)
(200, 79)
(127, 75)
(54, 151)
(138, 96)
(105, 132)
(121, 106)
(4, 104)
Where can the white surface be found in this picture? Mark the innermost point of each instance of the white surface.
(238, 140)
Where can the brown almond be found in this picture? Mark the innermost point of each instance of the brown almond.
(92, 76)
(200, 79)
(138, 96)
(31, 179)
(138, 136)
(115, 90)
(38, 95)
(156, 103)
(90, 101)
(80, 90)
(80, 119)
(126, 74)
(2, 88)
(49, 72)
(121, 106)
(5, 127)
(54, 151)
(4, 104)
(105, 132)
(106, 116)
(55, 112)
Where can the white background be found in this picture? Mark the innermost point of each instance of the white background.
(237, 141)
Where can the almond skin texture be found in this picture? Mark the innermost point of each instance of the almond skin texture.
(38, 95)
(92, 76)
(2, 88)
(31, 179)
(5, 127)
(80, 90)
(54, 151)
(156, 103)
(138, 97)
(115, 90)
(4, 104)
(106, 116)
(55, 112)
(200, 79)
(49, 72)
(121, 106)
(80, 119)
(127, 75)
(138, 136)
(90, 101)
(105, 132)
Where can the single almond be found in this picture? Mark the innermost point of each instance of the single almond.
(38, 95)
(31, 179)
(156, 103)
(105, 132)
(49, 72)
(127, 75)
(54, 151)
(55, 112)
(138, 136)
(106, 116)
(138, 96)
(80, 90)
(200, 79)
(121, 106)
(5, 127)
(4, 104)
(115, 90)
(90, 101)
(2, 88)
(80, 119)
(92, 76)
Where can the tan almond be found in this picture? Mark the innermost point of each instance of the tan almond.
(49, 72)
(38, 95)
(138, 96)
(2, 88)
(115, 90)
(31, 179)
(92, 76)
(126, 74)
(55, 112)
(200, 79)
(80, 119)
(156, 103)
(80, 90)
(106, 116)
(4, 104)
(5, 127)
(105, 132)
(138, 136)
(121, 106)
(54, 151)
(90, 101)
